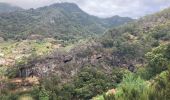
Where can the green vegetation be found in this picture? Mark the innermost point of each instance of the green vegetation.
(65, 22)
(146, 47)
(131, 88)
(154, 88)
(88, 83)
(51, 58)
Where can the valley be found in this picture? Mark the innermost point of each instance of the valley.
(59, 52)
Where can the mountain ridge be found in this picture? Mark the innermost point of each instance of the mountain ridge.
(54, 20)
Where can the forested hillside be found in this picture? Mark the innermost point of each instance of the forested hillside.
(63, 21)
(127, 62)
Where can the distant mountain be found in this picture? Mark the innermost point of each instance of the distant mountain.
(63, 21)
(115, 21)
(4, 8)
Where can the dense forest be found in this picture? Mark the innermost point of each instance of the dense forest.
(59, 52)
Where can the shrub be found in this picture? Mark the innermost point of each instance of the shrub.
(131, 88)
(43, 94)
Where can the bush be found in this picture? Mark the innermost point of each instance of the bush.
(131, 88)
(43, 94)
(157, 61)
(91, 82)
(160, 89)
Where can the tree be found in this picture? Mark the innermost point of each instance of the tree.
(157, 61)
(91, 82)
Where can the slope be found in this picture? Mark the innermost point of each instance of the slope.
(65, 21)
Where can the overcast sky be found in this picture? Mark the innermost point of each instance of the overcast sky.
(103, 8)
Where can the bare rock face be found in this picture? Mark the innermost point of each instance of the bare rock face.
(26, 72)
(67, 59)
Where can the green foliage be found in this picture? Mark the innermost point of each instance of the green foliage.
(43, 94)
(35, 92)
(131, 88)
(5, 94)
(64, 21)
(109, 97)
(118, 74)
(129, 50)
(11, 86)
(12, 72)
(91, 82)
(160, 89)
(9, 97)
(51, 85)
(126, 44)
(88, 83)
(167, 52)
(157, 60)
(108, 43)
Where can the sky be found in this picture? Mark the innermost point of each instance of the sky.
(103, 8)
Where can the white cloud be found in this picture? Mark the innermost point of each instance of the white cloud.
(103, 8)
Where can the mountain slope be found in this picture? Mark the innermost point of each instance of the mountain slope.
(144, 43)
(6, 8)
(121, 47)
(124, 46)
(129, 43)
(91, 67)
(62, 21)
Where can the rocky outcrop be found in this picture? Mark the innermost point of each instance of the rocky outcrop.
(26, 72)
(67, 59)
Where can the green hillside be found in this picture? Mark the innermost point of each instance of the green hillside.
(145, 44)
(128, 62)
(63, 21)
